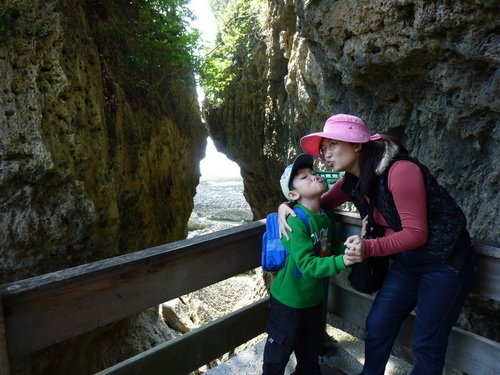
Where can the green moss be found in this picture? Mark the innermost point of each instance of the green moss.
(239, 32)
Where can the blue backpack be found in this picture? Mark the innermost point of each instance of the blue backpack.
(273, 252)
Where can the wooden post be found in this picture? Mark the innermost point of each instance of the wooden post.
(4, 357)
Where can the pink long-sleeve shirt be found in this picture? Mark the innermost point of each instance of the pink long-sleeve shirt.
(406, 183)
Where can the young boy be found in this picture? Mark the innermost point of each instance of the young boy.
(297, 291)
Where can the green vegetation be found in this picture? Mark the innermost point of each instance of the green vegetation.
(156, 44)
(239, 31)
(163, 34)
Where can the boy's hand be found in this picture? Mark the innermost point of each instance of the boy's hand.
(355, 249)
(348, 260)
(283, 211)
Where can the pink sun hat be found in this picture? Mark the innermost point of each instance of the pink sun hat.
(341, 127)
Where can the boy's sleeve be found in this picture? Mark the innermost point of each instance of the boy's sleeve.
(301, 249)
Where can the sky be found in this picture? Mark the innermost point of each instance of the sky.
(205, 22)
(205, 19)
(215, 164)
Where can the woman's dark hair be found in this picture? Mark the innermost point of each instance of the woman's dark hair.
(370, 156)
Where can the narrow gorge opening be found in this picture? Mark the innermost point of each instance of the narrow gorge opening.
(219, 202)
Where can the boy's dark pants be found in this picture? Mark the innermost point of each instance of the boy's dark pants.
(293, 330)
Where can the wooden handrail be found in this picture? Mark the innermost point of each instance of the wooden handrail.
(196, 348)
(47, 309)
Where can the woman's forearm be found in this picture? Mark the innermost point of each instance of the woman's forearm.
(334, 197)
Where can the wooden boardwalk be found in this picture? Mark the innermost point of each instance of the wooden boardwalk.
(347, 359)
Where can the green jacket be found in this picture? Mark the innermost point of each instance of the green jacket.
(305, 288)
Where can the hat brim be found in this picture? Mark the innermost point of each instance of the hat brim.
(312, 142)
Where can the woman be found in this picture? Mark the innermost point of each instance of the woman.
(423, 230)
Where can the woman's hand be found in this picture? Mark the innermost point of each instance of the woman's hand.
(355, 249)
(283, 211)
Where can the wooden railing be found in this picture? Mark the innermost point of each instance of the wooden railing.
(44, 310)
(41, 311)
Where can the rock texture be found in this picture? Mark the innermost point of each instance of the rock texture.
(91, 166)
(97, 159)
(426, 71)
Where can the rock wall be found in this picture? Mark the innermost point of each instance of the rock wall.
(91, 166)
(97, 159)
(425, 71)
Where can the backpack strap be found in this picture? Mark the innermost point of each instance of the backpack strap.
(302, 216)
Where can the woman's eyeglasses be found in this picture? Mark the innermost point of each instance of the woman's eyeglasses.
(326, 147)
